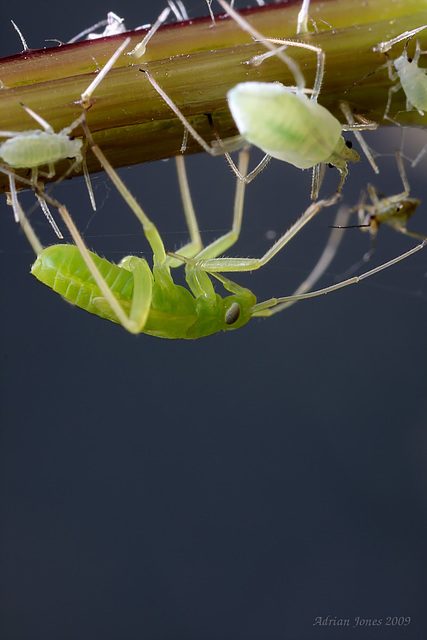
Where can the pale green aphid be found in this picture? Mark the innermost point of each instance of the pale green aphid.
(286, 124)
(148, 301)
(36, 148)
(281, 120)
(411, 78)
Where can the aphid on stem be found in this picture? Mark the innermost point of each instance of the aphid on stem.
(35, 148)
(281, 120)
(410, 77)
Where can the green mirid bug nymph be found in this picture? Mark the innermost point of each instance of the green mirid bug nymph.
(148, 300)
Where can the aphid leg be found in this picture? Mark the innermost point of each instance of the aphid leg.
(268, 43)
(419, 157)
(317, 179)
(348, 113)
(221, 146)
(141, 47)
(209, 3)
(48, 214)
(211, 150)
(86, 95)
(396, 87)
(179, 10)
(320, 70)
(271, 306)
(302, 20)
(22, 218)
(17, 209)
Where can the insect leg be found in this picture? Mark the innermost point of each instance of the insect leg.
(366, 150)
(251, 264)
(195, 245)
(150, 230)
(328, 254)
(267, 307)
(22, 218)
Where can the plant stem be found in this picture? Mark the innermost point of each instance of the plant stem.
(196, 63)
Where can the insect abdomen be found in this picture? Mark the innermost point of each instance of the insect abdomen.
(62, 268)
(286, 126)
(37, 148)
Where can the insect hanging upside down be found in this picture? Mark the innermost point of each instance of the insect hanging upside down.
(148, 300)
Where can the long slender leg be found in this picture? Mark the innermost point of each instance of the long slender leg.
(328, 254)
(141, 47)
(22, 218)
(268, 307)
(139, 304)
(303, 45)
(251, 264)
(220, 148)
(193, 247)
(86, 95)
(302, 23)
(366, 150)
(226, 241)
(246, 26)
(150, 230)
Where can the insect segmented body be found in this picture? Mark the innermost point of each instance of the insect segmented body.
(174, 311)
(149, 301)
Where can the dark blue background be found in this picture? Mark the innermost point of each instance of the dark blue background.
(236, 487)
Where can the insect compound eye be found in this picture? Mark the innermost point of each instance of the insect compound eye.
(349, 144)
(409, 59)
(232, 314)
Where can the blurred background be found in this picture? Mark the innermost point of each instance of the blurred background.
(242, 486)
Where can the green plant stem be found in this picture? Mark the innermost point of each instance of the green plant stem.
(196, 63)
